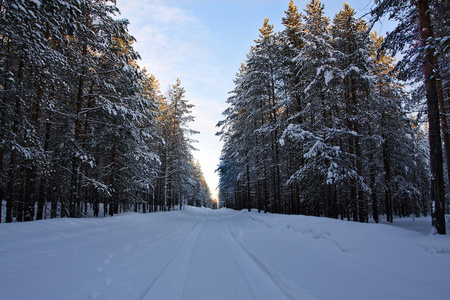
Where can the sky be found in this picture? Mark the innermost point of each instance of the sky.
(203, 43)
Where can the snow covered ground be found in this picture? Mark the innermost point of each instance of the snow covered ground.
(204, 254)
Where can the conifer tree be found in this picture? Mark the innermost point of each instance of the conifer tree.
(311, 127)
(176, 151)
(316, 124)
(78, 119)
(422, 54)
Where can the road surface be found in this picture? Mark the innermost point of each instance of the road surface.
(200, 253)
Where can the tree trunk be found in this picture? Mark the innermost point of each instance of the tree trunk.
(113, 201)
(35, 178)
(12, 160)
(362, 203)
(387, 182)
(444, 122)
(258, 185)
(2, 138)
(248, 187)
(6, 86)
(437, 178)
(29, 186)
(374, 195)
(2, 172)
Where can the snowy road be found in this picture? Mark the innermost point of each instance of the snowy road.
(211, 263)
(205, 254)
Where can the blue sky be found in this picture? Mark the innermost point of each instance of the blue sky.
(203, 42)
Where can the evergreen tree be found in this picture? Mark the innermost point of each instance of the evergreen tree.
(176, 155)
(311, 129)
(316, 124)
(80, 124)
(422, 53)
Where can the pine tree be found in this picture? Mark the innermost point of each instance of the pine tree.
(176, 151)
(316, 124)
(78, 117)
(310, 129)
(232, 133)
(422, 40)
(351, 40)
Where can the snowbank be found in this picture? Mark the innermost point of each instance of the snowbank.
(199, 253)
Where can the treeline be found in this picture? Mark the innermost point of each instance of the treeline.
(319, 124)
(82, 127)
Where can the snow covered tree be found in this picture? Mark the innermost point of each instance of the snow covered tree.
(415, 29)
(201, 196)
(254, 123)
(401, 150)
(293, 26)
(233, 132)
(30, 33)
(176, 168)
(311, 129)
(316, 124)
(79, 119)
(352, 42)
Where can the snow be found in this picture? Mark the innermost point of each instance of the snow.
(328, 76)
(200, 253)
(37, 2)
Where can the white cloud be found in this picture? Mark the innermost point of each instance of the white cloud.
(154, 11)
(169, 39)
(173, 43)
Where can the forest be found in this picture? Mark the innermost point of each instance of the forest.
(324, 120)
(328, 126)
(82, 127)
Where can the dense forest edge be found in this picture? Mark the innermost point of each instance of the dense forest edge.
(324, 121)
(82, 127)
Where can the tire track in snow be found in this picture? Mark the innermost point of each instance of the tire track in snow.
(242, 256)
(188, 266)
(290, 290)
(176, 270)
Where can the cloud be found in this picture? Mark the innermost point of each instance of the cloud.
(170, 40)
(155, 11)
(174, 43)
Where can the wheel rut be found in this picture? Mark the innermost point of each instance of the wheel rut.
(195, 269)
(175, 272)
(268, 284)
